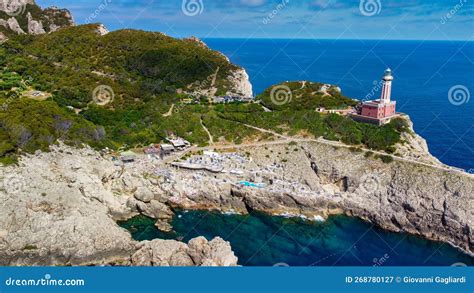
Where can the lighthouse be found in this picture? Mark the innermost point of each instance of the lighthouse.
(387, 87)
(379, 111)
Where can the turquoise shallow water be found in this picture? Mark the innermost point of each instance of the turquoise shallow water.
(260, 240)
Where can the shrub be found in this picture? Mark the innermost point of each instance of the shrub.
(387, 159)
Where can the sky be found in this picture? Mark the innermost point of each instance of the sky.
(313, 19)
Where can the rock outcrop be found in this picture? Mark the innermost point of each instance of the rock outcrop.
(13, 25)
(240, 84)
(415, 147)
(102, 30)
(60, 208)
(16, 12)
(198, 252)
(34, 27)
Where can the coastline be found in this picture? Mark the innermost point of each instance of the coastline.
(72, 190)
(302, 242)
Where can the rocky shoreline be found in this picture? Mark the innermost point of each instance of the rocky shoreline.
(61, 207)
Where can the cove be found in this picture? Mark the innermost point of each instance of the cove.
(261, 240)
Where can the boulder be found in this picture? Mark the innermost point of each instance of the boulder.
(144, 194)
(198, 252)
(34, 27)
(217, 252)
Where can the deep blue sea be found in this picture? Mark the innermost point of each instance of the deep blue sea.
(424, 74)
(260, 240)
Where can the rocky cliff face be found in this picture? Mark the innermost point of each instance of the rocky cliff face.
(401, 196)
(65, 215)
(25, 17)
(414, 147)
(238, 81)
(60, 208)
(240, 84)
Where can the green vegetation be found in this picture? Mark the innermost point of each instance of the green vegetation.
(30, 247)
(304, 96)
(139, 66)
(30, 125)
(150, 72)
(328, 126)
(387, 159)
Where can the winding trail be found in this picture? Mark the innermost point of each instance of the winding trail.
(170, 112)
(211, 138)
(286, 139)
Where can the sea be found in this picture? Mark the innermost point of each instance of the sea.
(434, 82)
(261, 240)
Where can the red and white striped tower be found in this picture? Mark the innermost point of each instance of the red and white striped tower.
(387, 87)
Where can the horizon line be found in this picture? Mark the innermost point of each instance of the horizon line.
(332, 39)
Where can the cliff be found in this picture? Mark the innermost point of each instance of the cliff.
(19, 17)
(60, 207)
(64, 215)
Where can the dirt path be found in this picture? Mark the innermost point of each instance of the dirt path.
(211, 138)
(283, 139)
(170, 112)
(303, 140)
